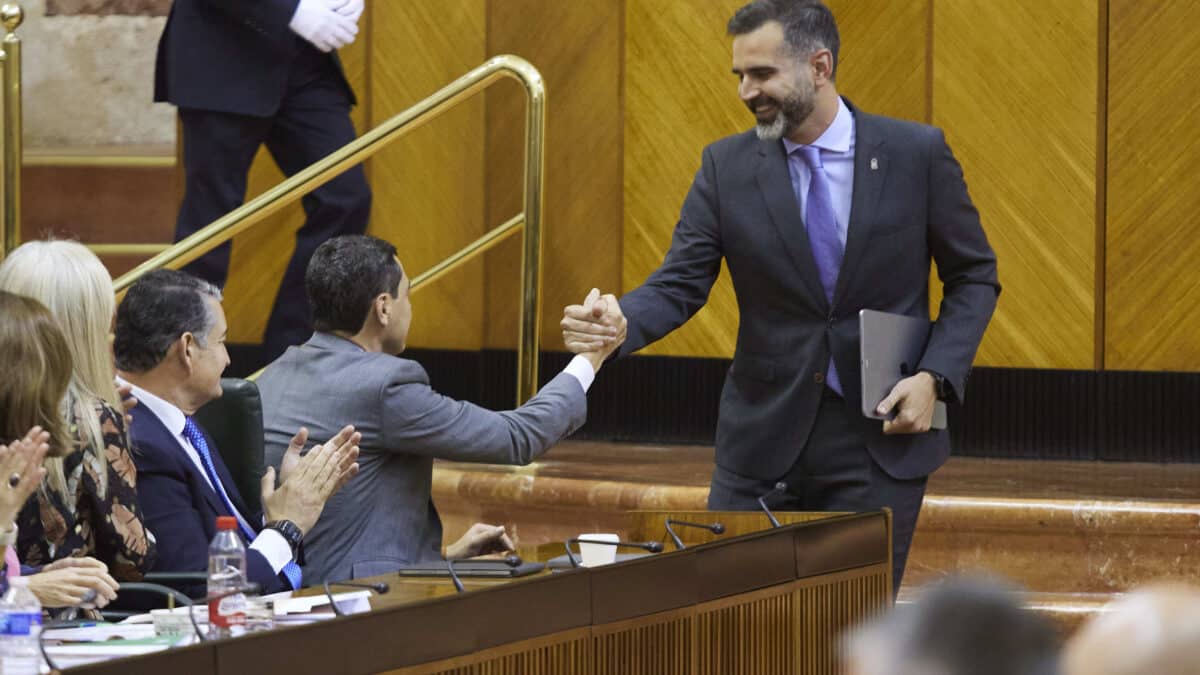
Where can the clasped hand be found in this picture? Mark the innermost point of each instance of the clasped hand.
(594, 329)
(915, 398)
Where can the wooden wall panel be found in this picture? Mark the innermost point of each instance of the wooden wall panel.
(261, 255)
(578, 51)
(1152, 278)
(429, 185)
(680, 97)
(1018, 103)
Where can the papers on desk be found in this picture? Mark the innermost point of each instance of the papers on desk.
(352, 602)
(97, 643)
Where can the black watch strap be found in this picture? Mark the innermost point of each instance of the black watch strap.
(939, 385)
(290, 531)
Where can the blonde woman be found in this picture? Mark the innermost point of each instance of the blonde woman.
(87, 505)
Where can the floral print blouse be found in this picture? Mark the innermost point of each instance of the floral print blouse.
(106, 525)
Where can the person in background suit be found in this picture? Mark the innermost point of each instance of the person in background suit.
(349, 372)
(245, 74)
(170, 346)
(822, 210)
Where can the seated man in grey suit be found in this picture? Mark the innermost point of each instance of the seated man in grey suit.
(347, 373)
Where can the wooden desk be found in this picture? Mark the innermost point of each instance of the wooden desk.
(772, 601)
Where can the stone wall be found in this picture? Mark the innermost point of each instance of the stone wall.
(89, 73)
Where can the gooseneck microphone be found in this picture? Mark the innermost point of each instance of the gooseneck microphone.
(377, 588)
(779, 489)
(649, 546)
(512, 560)
(715, 528)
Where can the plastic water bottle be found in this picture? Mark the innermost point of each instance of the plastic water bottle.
(226, 572)
(20, 625)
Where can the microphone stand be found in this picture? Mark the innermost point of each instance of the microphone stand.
(378, 588)
(715, 528)
(779, 488)
(512, 560)
(648, 546)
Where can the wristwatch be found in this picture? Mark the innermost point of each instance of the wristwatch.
(290, 531)
(939, 384)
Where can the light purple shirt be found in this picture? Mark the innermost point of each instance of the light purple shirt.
(837, 156)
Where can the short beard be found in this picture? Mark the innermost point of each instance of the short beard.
(793, 110)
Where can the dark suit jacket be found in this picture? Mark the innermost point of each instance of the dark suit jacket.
(229, 56)
(181, 509)
(910, 204)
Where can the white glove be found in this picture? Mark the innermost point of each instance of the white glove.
(350, 8)
(318, 23)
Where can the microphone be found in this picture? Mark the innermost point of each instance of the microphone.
(779, 488)
(170, 593)
(715, 528)
(377, 588)
(649, 546)
(512, 560)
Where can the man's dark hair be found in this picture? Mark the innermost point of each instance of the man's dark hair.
(157, 310)
(344, 277)
(808, 25)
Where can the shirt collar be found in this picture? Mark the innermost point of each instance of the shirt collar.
(171, 417)
(837, 136)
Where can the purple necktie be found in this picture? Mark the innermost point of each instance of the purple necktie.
(822, 227)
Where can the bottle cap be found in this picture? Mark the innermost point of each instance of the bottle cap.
(226, 523)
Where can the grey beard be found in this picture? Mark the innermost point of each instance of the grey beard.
(773, 131)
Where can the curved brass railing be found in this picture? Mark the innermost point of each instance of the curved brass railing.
(292, 189)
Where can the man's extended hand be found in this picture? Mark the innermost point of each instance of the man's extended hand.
(311, 479)
(481, 539)
(594, 329)
(914, 397)
(322, 25)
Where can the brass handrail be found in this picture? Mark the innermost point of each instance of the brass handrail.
(11, 15)
(292, 189)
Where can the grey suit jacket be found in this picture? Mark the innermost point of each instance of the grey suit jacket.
(909, 206)
(384, 516)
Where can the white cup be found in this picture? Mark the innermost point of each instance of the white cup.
(594, 555)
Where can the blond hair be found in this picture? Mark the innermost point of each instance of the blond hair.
(74, 285)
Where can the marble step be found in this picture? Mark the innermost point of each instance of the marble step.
(102, 195)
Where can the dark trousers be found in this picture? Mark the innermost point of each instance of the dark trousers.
(218, 148)
(833, 473)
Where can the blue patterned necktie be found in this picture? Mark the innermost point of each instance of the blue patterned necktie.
(192, 432)
(827, 247)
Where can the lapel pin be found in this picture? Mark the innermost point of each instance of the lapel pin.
(874, 163)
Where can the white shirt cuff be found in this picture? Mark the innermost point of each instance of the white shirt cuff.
(581, 369)
(274, 548)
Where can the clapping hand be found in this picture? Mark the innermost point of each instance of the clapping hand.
(21, 470)
(308, 481)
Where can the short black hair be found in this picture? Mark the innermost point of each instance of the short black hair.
(344, 277)
(157, 310)
(808, 25)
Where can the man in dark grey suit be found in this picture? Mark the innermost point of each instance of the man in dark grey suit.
(821, 211)
(348, 373)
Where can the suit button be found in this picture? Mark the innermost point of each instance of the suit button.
(819, 378)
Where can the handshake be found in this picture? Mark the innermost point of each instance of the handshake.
(327, 24)
(595, 329)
